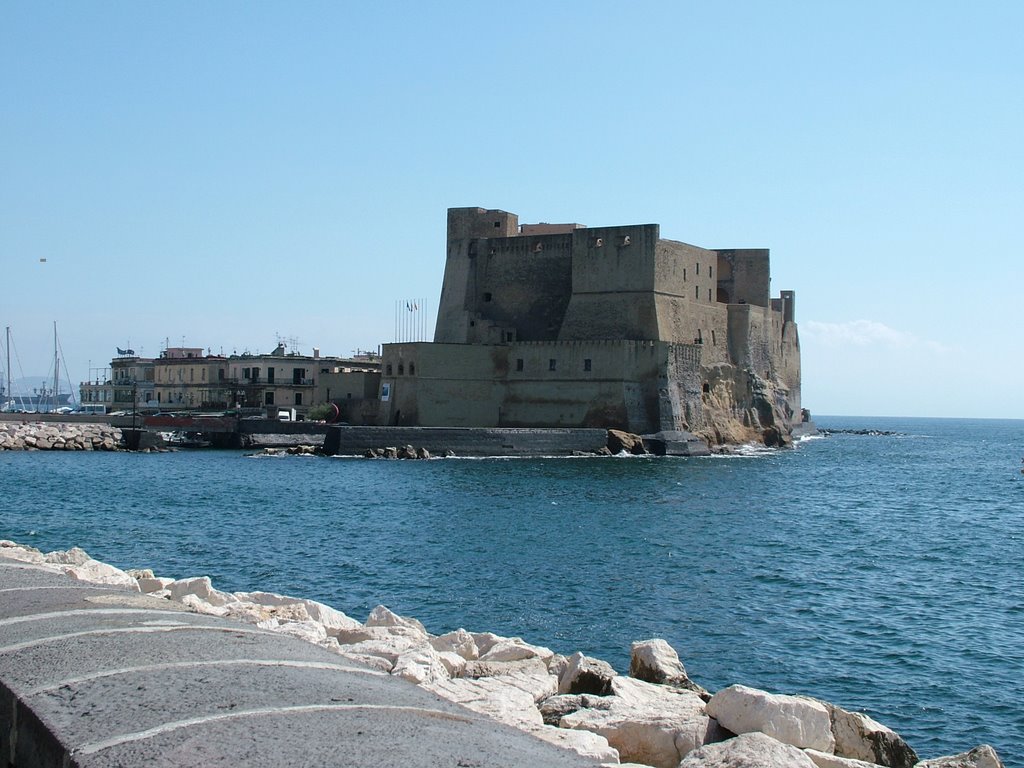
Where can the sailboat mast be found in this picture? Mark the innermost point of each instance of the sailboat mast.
(56, 368)
(7, 395)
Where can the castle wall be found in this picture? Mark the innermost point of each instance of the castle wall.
(527, 384)
(519, 285)
(744, 276)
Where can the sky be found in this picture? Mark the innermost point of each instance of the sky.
(225, 175)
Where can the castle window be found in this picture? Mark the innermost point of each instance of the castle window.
(696, 291)
(472, 323)
(509, 335)
(487, 297)
(387, 370)
(497, 225)
(709, 294)
(412, 369)
(586, 364)
(714, 341)
(684, 274)
(707, 387)
(552, 364)
(401, 369)
(698, 268)
(519, 363)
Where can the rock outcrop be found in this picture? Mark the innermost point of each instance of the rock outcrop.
(59, 436)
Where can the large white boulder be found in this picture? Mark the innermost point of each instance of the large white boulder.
(861, 738)
(749, 750)
(382, 616)
(794, 720)
(516, 649)
(492, 697)
(827, 760)
(586, 675)
(201, 587)
(460, 641)
(648, 723)
(583, 743)
(13, 551)
(332, 619)
(419, 665)
(979, 757)
(95, 572)
(655, 661)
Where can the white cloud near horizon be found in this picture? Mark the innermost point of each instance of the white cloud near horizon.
(863, 333)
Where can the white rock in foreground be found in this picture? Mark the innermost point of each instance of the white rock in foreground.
(749, 750)
(860, 737)
(794, 720)
(648, 723)
(979, 757)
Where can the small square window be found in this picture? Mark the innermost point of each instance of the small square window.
(497, 225)
(552, 364)
(487, 296)
(519, 363)
(586, 364)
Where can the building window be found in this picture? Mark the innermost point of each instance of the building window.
(412, 369)
(270, 375)
(519, 363)
(401, 369)
(509, 335)
(586, 364)
(268, 399)
(552, 364)
(246, 373)
(696, 292)
(387, 369)
(709, 294)
(487, 296)
(497, 225)
(298, 398)
(684, 274)
(714, 342)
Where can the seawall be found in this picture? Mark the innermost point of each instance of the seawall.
(101, 667)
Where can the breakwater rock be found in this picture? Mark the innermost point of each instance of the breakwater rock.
(655, 716)
(35, 436)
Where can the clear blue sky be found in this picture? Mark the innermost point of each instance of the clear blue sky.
(223, 173)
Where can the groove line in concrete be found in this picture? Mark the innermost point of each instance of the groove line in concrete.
(115, 741)
(128, 630)
(209, 663)
(89, 612)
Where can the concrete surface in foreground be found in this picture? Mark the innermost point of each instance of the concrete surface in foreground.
(93, 676)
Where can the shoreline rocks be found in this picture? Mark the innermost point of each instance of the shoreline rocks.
(656, 716)
(59, 436)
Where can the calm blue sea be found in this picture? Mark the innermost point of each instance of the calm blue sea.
(882, 573)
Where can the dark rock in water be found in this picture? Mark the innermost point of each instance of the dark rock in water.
(619, 441)
(866, 432)
(676, 443)
(773, 437)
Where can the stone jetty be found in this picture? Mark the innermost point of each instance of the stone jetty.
(35, 436)
(654, 716)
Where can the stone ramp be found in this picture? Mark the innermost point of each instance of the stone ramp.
(93, 676)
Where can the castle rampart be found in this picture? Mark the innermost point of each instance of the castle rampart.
(564, 325)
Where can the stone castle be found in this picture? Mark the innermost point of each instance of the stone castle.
(562, 325)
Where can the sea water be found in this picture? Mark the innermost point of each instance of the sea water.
(884, 573)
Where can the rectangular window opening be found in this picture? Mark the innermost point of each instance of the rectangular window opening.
(519, 363)
(552, 364)
(586, 364)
